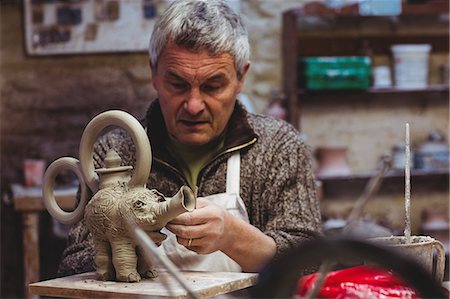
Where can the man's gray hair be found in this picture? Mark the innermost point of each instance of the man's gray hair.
(201, 25)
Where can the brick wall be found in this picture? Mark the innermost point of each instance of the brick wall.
(47, 101)
(45, 104)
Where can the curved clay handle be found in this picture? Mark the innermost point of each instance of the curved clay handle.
(134, 128)
(49, 185)
(440, 260)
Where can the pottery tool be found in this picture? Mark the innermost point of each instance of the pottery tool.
(371, 188)
(150, 249)
(325, 267)
(407, 188)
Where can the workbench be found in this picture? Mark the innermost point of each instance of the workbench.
(29, 202)
(203, 284)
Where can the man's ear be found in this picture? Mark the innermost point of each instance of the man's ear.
(243, 75)
(150, 64)
(151, 70)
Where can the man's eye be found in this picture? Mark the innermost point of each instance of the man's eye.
(179, 86)
(210, 88)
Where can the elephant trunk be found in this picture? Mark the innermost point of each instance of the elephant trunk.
(183, 201)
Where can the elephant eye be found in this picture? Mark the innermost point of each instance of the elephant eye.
(139, 204)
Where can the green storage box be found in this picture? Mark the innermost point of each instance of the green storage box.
(353, 72)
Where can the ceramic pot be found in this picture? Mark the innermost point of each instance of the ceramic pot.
(332, 161)
(422, 249)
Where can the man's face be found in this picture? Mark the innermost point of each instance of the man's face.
(197, 93)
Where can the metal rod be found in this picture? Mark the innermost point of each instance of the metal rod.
(151, 250)
(371, 188)
(320, 279)
(407, 188)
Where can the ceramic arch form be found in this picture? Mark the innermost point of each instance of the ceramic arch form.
(134, 128)
(65, 163)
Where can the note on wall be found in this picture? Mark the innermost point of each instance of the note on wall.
(89, 26)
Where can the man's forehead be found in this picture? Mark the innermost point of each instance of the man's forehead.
(185, 69)
(200, 56)
(214, 76)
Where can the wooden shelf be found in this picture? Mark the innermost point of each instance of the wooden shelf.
(393, 182)
(389, 174)
(337, 44)
(30, 199)
(431, 7)
(438, 88)
(435, 88)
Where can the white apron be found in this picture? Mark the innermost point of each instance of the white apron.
(217, 261)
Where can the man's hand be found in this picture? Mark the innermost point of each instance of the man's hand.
(210, 228)
(157, 237)
(205, 227)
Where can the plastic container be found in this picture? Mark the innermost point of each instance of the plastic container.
(399, 157)
(382, 76)
(352, 72)
(411, 65)
(434, 153)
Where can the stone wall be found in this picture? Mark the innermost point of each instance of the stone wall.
(45, 104)
(47, 101)
(264, 19)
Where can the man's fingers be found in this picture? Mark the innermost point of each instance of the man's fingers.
(186, 232)
(184, 219)
(191, 243)
(196, 217)
(156, 235)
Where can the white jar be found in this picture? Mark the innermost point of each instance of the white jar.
(382, 76)
(411, 65)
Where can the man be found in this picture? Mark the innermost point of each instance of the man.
(256, 191)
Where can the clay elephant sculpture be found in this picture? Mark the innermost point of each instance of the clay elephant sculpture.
(107, 217)
(120, 200)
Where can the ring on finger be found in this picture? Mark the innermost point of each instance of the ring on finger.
(189, 242)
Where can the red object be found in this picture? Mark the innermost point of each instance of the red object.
(360, 282)
(34, 172)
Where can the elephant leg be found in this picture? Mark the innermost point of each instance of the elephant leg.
(125, 260)
(145, 267)
(103, 262)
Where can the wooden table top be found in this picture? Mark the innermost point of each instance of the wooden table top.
(204, 284)
(30, 199)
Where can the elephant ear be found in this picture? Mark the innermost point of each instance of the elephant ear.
(160, 196)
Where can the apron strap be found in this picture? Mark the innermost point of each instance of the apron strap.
(233, 173)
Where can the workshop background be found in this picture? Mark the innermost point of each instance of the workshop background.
(46, 101)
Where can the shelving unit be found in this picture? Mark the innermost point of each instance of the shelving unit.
(353, 185)
(317, 30)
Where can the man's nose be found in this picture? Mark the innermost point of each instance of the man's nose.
(194, 104)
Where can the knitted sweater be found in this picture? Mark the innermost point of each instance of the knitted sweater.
(276, 179)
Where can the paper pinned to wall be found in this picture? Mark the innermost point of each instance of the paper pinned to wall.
(91, 26)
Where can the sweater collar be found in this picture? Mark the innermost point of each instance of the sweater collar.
(239, 132)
